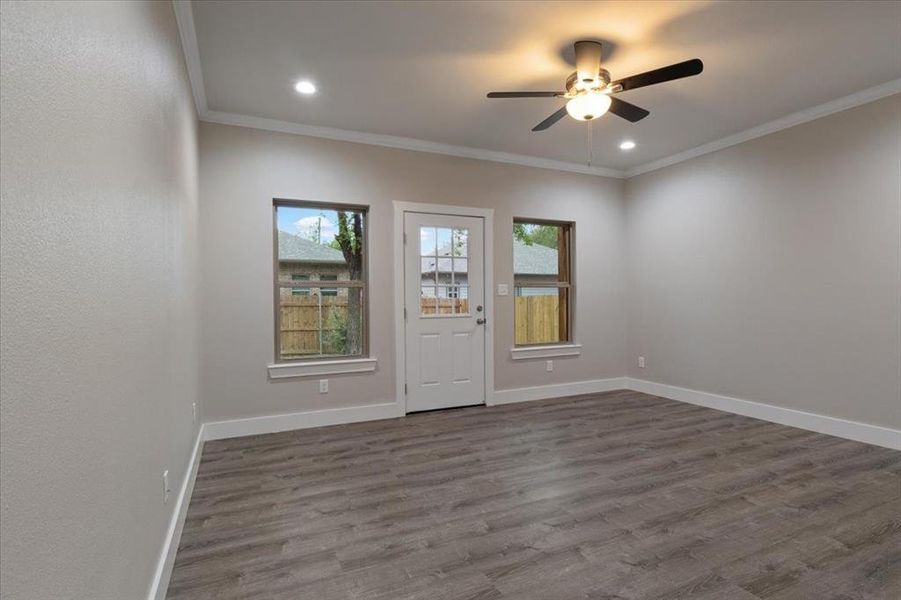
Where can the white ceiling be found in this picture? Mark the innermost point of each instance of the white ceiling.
(421, 70)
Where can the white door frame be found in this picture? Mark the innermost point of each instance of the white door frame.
(400, 337)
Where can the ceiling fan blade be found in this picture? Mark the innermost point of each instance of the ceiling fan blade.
(676, 71)
(588, 62)
(550, 120)
(627, 111)
(525, 94)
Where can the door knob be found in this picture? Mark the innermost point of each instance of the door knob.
(480, 321)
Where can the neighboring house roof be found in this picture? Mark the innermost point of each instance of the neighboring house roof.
(527, 260)
(297, 249)
(534, 260)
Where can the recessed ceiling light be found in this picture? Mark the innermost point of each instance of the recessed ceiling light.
(305, 87)
(627, 145)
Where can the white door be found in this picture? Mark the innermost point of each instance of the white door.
(444, 298)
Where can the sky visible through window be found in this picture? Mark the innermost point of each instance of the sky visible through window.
(313, 224)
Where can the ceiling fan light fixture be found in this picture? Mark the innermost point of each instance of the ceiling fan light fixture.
(586, 107)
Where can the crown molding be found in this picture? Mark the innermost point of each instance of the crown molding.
(803, 116)
(184, 15)
(403, 143)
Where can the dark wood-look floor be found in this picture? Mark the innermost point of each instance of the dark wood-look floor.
(618, 495)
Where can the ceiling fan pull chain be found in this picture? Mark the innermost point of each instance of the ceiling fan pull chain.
(590, 143)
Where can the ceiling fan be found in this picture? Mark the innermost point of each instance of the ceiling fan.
(589, 91)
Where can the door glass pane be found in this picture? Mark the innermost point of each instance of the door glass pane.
(427, 241)
(428, 271)
(428, 300)
(461, 302)
(461, 271)
(445, 247)
(445, 266)
(461, 242)
(445, 300)
(537, 315)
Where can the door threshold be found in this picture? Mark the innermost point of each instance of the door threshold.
(449, 408)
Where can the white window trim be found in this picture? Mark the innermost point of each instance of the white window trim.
(551, 351)
(318, 368)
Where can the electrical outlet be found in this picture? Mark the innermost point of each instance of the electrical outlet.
(502, 289)
(193, 412)
(549, 366)
(323, 386)
(166, 489)
(641, 362)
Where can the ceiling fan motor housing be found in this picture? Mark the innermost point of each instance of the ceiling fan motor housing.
(588, 61)
(574, 86)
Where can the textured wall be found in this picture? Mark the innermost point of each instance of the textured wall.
(242, 170)
(98, 349)
(770, 271)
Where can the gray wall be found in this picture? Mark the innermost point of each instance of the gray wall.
(98, 363)
(243, 169)
(770, 271)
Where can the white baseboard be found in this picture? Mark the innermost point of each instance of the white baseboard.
(160, 583)
(558, 390)
(218, 430)
(852, 430)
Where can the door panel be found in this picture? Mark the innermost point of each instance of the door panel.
(462, 357)
(429, 351)
(444, 296)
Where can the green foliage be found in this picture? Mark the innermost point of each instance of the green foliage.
(543, 235)
(334, 336)
(349, 238)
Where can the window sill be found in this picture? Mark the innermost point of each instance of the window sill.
(553, 351)
(318, 368)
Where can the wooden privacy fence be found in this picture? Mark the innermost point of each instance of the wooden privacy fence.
(315, 324)
(445, 306)
(311, 324)
(537, 319)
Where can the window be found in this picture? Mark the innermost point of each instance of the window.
(315, 243)
(542, 282)
(300, 291)
(329, 291)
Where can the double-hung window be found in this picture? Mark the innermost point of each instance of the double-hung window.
(542, 282)
(315, 243)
